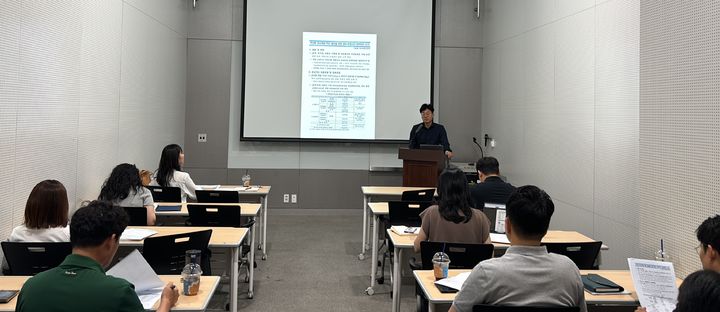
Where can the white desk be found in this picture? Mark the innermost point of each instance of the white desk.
(386, 191)
(222, 237)
(199, 302)
(261, 193)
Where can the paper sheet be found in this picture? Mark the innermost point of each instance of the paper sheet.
(209, 187)
(654, 283)
(136, 234)
(500, 220)
(499, 238)
(137, 271)
(454, 282)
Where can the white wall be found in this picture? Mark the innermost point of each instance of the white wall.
(560, 85)
(85, 85)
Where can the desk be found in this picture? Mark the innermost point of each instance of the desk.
(426, 280)
(208, 284)
(262, 193)
(222, 237)
(368, 192)
(246, 210)
(406, 242)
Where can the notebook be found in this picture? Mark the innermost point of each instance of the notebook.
(168, 208)
(598, 284)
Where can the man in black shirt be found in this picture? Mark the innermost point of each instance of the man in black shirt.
(429, 132)
(491, 188)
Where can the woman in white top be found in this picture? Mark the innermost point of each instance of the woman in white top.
(46, 215)
(170, 172)
(124, 188)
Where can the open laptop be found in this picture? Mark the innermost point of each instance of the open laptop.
(496, 214)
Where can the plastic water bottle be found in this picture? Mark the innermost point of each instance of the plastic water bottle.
(190, 276)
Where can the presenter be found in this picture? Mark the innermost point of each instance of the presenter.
(428, 132)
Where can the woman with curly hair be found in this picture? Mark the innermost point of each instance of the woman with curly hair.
(124, 188)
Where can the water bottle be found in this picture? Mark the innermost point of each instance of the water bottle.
(191, 273)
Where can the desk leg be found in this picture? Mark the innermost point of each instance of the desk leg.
(396, 279)
(361, 256)
(373, 264)
(233, 261)
(251, 263)
(264, 227)
(431, 307)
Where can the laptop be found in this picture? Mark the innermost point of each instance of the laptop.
(496, 214)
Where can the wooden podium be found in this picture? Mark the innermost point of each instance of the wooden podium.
(421, 167)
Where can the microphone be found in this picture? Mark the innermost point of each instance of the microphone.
(482, 154)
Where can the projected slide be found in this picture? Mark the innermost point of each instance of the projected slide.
(338, 86)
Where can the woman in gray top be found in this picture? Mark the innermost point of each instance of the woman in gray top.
(453, 220)
(124, 188)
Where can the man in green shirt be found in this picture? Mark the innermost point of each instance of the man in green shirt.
(79, 283)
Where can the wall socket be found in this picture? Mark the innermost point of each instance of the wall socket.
(286, 198)
(202, 137)
(293, 198)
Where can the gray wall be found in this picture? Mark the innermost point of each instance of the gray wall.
(82, 84)
(323, 175)
(679, 126)
(560, 95)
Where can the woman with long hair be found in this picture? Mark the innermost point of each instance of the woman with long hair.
(46, 215)
(170, 172)
(124, 188)
(453, 219)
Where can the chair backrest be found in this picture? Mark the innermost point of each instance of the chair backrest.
(162, 194)
(26, 258)
(462, 256)
(406, 212)
(166, 254)
(214, 215)
(217, 196)
(425, 195)
(138, 215)
(583, 254)
(493, 308)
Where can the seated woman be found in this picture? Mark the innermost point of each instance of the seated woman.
(46, 215)
(170, 172)
(452, 220)
(124, 188)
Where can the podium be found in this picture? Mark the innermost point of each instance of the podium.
(421, 167)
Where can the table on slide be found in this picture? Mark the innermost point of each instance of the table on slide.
(426, 280)
(208, 284)
(222, 237)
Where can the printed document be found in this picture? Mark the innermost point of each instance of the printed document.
(138, 272)
(454, 282)
(655, 284)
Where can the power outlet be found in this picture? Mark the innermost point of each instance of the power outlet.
(294, 198)
(202, 137)
(286, 198)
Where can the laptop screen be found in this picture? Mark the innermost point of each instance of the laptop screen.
(496, 214)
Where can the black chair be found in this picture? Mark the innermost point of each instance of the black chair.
(405, 213)
(462, 256)
(163, 194)
(493, 308)
(25, 258)
(217, 196)
(221, 216)
(425, 195)
(583, 254)
(166, 254)
(138, 215)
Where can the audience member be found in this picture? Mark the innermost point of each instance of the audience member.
(46, 215)
(80, 283)
(491, 189)
(453, 220)
(527, 275)
(170, 172)
(124, 188)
